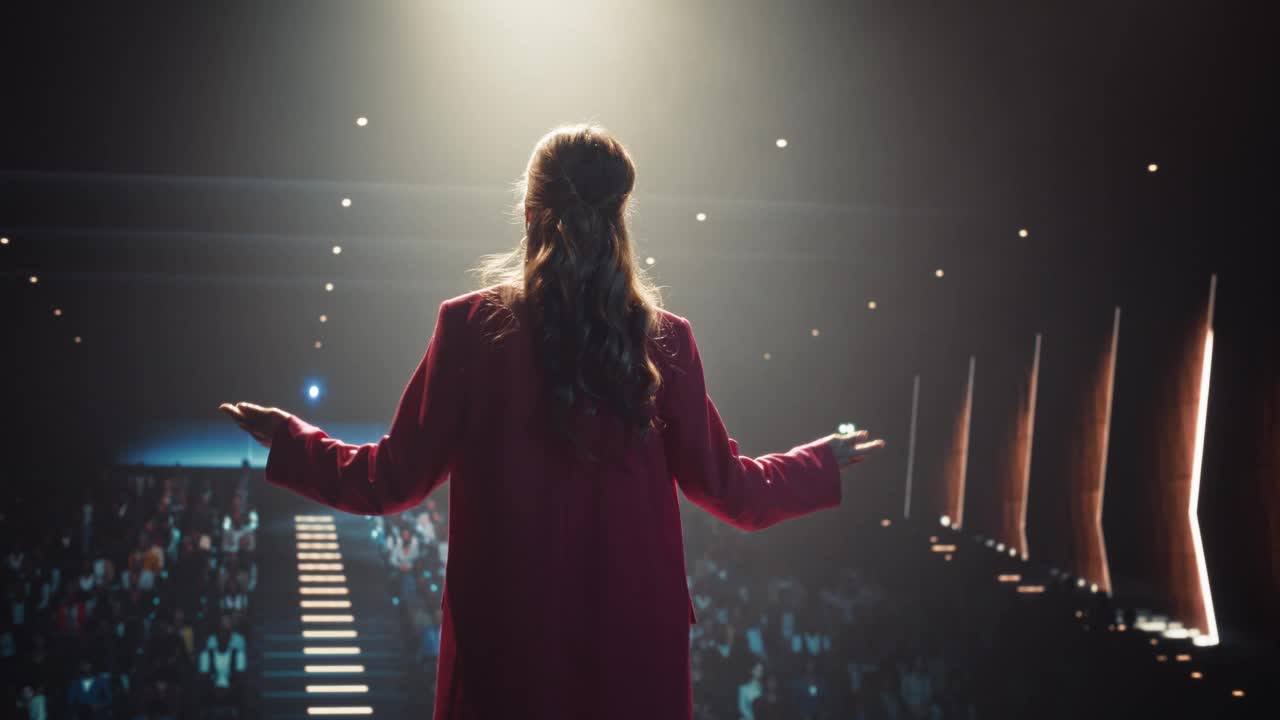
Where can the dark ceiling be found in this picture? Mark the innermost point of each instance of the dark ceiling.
(172, 173)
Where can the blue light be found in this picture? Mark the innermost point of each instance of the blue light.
(395, 601)
(313, 389)
(434, 588)
(313, 392)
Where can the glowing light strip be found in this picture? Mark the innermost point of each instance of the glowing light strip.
(1031, 433)
(319, 556)
(360, 710)
(322, 590)
(317, 546)
(911, 444)
(328, 618)
(958, 520)
(1106, 442)
(320, 566)
(317, 536)
(326, 603)
(316, 528)
(331, 651)
(313, 518)
(944, 548)
(1193, 513)
(337, 688)
(328, 633)
(322, 578)
(334, 668)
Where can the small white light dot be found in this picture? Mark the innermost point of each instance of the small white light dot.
(938, 272)
(782, 142)
(701, 217)
(1080, 582)
(362, 121)
(346, 202)
(318, 344)
(1013, 552)
(871, 304)
(1093, 587)
(814, 332)
(768, 356)
(328, 287)
(324, 318)
(77, 339)
(4, 241)
(34, 279)
(649, 261)
(945, 521)
(313, 391)
(1152, 167)
(1023, 232)
(337, 249)
(57, 312)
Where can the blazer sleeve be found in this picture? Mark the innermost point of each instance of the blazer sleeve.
(748, 493)
(401, 469)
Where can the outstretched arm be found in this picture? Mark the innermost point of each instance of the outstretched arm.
(748, 493)
(402, 468)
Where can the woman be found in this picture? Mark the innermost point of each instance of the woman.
(562, 400)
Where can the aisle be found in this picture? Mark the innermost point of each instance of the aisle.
(328, 640)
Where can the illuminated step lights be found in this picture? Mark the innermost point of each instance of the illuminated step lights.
(319, 556)
(316, 528)
(317, 546)
(313, 518)
(322, 590)
(352, 710)
(314, 567)
(328, 618)
(317, 536)
(326, 603)
(329, 634)
(337, 688)
(322, 578)
(334, 650)
(332, 669)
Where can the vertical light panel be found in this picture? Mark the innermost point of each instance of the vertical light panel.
(1030, 424)
(1101, 550)
(1210, 636)
(957, 517)
(911, 444)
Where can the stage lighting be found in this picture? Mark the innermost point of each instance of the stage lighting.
(938, 272)
(34, 279)
(4, 241)
(1152, 167)
(781, 142)
(701, 217)
(346, 202)
(328, 287)
(318, 344)
(814, 332)
(1000, 547)
(362, 121)
(768, 356)
(871, 304)
(945, 520)
(324, 318)
(337, 249)
(313, 392)
(1023, 233)
(76, 339)
(649, 261)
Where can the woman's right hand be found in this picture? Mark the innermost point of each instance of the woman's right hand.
(852, 448)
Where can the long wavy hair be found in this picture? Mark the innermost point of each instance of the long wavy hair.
(594, 310)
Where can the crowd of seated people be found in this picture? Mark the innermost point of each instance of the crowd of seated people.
(415, 546)
(127, 594)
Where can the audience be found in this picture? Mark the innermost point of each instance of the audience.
(111, 585)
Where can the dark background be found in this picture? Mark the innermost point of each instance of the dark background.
(172, 173)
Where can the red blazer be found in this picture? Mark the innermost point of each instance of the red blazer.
(565, 593)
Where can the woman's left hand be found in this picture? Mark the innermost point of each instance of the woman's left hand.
(256, 420)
